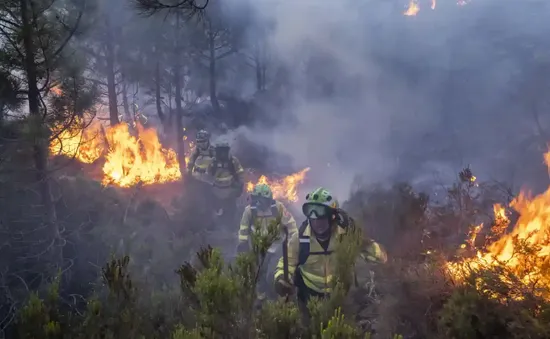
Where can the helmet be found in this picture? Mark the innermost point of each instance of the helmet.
(222, 144)
(320, 202)
(202, 136)
(262, 190)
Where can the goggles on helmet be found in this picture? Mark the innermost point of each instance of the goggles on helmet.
(316, 211)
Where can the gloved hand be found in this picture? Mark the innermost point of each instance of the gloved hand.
(283, 287)
(243, 247)
(344, 220)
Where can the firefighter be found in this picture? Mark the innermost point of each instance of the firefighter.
(262, 211)
(228, 178)
(310, 261)
(201, 157)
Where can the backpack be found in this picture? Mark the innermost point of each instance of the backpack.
(196, 154)
(230, 165)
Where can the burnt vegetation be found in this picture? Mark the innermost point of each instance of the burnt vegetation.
(81, 260)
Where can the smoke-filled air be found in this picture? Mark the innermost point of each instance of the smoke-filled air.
(251, 169)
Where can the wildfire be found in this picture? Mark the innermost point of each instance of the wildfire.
(132, 160)
(530, 238)
(56, 90)
(85, 145)
(285, 188)
(413, 8)
(129, 160)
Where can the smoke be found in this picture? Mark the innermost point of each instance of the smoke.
(376, 96)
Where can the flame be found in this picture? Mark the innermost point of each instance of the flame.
(132, 160)
(413, 8)
(129, 159)
(56, 90)
(531, 229)
(285, 188)
(84, 145)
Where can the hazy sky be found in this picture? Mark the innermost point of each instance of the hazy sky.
(406, 96)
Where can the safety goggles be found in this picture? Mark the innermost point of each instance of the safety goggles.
(316, 211)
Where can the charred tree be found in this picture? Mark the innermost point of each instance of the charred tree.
(40, 146)
(178, 97)
(212, 73)
(158, 96)
(110, 57)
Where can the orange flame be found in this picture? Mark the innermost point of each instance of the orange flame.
(56, 90)
(531, 229)
(84, 145)
(285, 188)
(413, 8)
(129, 160)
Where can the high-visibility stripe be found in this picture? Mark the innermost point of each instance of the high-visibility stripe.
(316, 283)
(243, 237)
(305, 240)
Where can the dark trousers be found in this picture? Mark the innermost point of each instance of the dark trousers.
(303, 294)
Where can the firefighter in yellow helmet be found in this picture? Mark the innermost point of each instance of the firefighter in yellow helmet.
(201, 157)
(228, 178)
(310, 261)
(262, 211)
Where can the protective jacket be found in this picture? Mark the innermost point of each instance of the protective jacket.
(226, 174)
(277, 211)
(199, 161)
(317, 265)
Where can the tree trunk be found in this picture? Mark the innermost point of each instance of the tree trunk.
(129, 116)
(213, 73)
(40, 147)
(111, 82)
(158, 98)
(179, 108)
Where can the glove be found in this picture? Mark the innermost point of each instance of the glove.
(242, 247)
(283, 287)
(343, 218)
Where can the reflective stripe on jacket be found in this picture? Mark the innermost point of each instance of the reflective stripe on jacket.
(318, 269)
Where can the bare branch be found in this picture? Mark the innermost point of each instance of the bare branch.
(151, 7)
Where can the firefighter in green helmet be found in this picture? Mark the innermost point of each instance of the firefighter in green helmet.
(201, 156)
(262, 211)
(310, 260)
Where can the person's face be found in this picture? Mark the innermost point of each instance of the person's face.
(319, 217)
(202, 144)
(263, 203)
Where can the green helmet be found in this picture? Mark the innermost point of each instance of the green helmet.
(262, 190)
(321, 202)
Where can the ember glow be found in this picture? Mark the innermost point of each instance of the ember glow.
(532, 231)
(285, 188)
